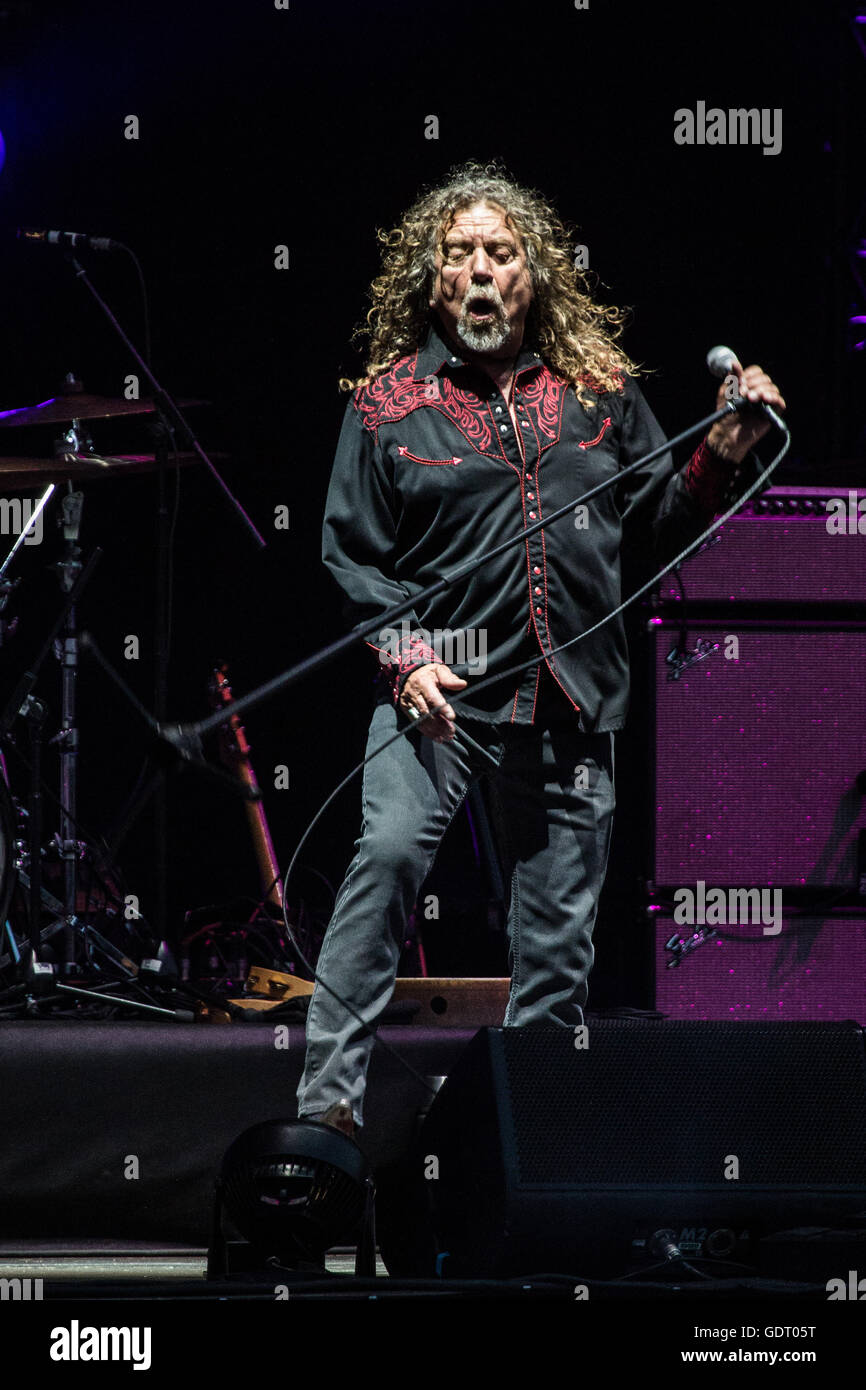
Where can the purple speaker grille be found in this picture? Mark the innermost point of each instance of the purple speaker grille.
(756, 759)
(814, 969)
(784, 556)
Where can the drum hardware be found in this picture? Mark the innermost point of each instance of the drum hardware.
(171, 430)
(39, 980)
(68, 569)
(7, 628)
(76, 440)
(34, 713)
(20, 472)
(92, 941)
(15, 871)
(38, 972)
(74, 405)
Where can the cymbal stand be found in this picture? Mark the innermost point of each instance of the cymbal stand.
(66, 648)
(22, 702)
(39, 988)
(34, 712)
(7, 629)
(63, 639)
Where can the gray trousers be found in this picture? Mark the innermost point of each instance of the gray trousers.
(552, 800)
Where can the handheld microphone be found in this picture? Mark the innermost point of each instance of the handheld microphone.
(720, 361)
(50, 237)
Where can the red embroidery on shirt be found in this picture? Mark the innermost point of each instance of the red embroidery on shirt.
(403, 451)
(588, 443)
(707, 477)
(412, 652)
(544, 394)
(394, 395)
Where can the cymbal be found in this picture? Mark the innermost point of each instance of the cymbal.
(80, 406)
(30, 474)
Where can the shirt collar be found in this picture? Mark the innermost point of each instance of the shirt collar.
(438, 351)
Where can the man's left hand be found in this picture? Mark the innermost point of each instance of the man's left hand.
(734, 436)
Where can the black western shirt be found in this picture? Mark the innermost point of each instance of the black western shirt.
(430, 471)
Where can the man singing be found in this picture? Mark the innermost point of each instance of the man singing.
(495, 392)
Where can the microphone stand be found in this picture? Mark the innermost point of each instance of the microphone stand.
(168, 407)
(184, 741)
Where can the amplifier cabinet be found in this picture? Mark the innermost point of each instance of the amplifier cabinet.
(815, 968)
(792, 545)
(758, 745)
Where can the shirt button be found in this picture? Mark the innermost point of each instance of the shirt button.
(531, 496)
(453, 359)
(532, 515)
(536, 570)
(537, 590)
(504, 429)
(525, 424)
(499, 410)
(538, 611)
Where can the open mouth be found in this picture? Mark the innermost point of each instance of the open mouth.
(481, 309)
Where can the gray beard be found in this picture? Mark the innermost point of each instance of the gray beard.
(483, 337)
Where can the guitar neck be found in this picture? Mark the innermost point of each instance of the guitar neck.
(269, 869)
(240, 763)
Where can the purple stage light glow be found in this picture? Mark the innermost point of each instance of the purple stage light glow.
(21, 409)
(2, 150)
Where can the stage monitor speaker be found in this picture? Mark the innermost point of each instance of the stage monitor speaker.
(758, 754)
(814, 968)
(582, 1154)
(779, 549)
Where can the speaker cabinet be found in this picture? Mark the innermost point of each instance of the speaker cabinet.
(815, 968)
(541, 1155)
(778, 550)
(758, 746)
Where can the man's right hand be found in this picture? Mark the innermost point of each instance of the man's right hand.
(424, 690)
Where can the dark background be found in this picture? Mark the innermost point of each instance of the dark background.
(306, 127)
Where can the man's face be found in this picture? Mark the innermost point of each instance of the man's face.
(482, 289)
